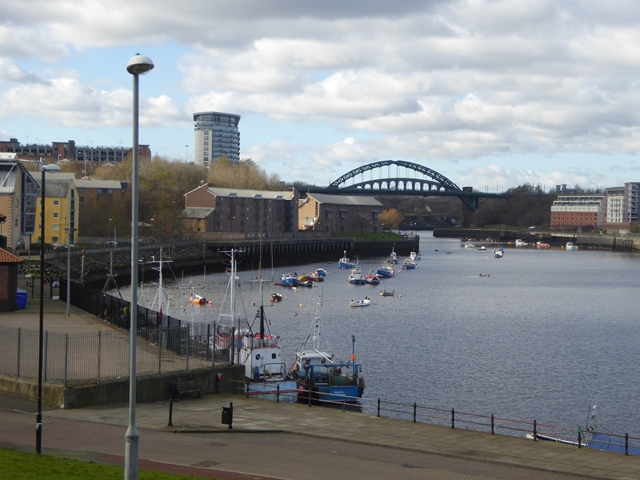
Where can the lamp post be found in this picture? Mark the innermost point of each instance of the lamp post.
(69, 231)
(186, 154)
(138, 65)
(44, 168)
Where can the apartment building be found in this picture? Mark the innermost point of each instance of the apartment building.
(216, 135)
(339, 213)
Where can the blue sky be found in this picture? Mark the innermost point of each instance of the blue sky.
(491, 94)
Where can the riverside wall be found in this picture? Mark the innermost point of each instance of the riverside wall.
(555, 239)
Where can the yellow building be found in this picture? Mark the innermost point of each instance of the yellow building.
(61, 210)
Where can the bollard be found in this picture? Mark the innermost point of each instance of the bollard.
(626, 444)
(579, 438)
(415, 406)
(227, 416)
(492, 424)
(535, 431)
(278, 393)
(170, 424)
(453, 418)
(378, 406)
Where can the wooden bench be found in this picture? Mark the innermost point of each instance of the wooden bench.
(179, 388)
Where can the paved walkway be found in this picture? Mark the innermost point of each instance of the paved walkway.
(278, 440)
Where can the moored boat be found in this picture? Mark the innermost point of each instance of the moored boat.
(408, 264)
(469, 244)
(393, 256)
(542, 245)
(520, 243)
(356, 277)
(386, 271)
(365, 302)
(570, 246)
(372, 278)
(345, 263)
(288, 280)
(275, 297)
(498, 252)
(321, 272)
(323, 379)
(415, 256)
(385, 293)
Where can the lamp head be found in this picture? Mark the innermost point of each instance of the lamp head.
(139, 65)
(50, 167)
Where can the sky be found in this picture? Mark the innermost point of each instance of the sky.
(490, 94)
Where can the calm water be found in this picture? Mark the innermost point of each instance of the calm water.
(542, 337)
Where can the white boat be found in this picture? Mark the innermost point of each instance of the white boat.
(259, 351)
(415, 256)
(469, 244)
(520, 243)
(482, 248)
(570, 246)
(393, 256)
(498, 253)
(356, 277)
(365, 302)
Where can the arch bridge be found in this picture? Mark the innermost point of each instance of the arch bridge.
(415, 180)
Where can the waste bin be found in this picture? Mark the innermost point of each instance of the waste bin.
(227, 415)
(22, 296)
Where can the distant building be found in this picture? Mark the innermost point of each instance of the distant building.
(82, 154)
(339, 213)
(18, 201)
(61, 210)
(237, 211)
(577, 210)
(216, 135)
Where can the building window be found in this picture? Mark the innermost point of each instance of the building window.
(110, 191)
(81, 199)
(80, 190)
(54, 239)
(99, 191)
(54, 227)
(55, 215)
(56, 203)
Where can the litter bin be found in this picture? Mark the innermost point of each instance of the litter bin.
(227, 415)
(22, 296)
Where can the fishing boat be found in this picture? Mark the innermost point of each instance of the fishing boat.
(371, 278)
(345, 263)
(365, 302)
(356, 277)
(393, 256)
(321, 272)
(415, 256)
(266, 374)
(306, 283)
(542, 245)
(498, 252)
(275, 297)
(409, 264)
(570, 246)
(288, 280)
(385, 271)
(520, 243)
(482, 248)
(196, 299)
(469, 244)
(321, 378)
(385, 293)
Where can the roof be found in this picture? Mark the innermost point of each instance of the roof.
(8, 257)
(345, 199)
(9, 174)
(113, 184)
(8, 156)
(197, 212)
(56, 188)
(61, 175)
(239, 193)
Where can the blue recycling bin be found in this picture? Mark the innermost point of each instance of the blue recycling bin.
(22, 296)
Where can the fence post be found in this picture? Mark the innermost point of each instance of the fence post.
(278, 393)
(453, 418)
(99, 352)
(492, 424)
(579, 438)
(188, 341)
(415, 406)
(378, 406)
(46, 350)
(19, 342)
(160, 352)
(535, 431)
(626, 444)
(66, 358)
(208, 339)
(170, 424)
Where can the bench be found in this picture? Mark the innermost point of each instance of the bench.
(179, 388)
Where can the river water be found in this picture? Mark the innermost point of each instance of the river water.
(542, 337)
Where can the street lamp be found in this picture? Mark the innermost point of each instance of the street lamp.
(44, 168)
(138, 65)
(186, 154)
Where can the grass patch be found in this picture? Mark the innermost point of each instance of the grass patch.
(16, 465)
